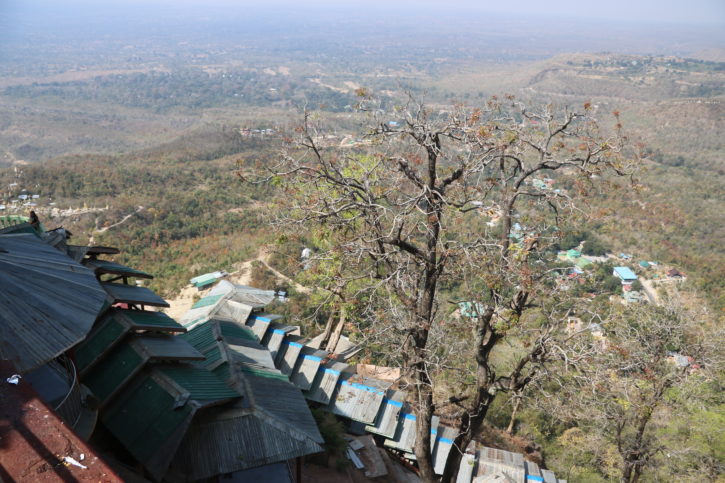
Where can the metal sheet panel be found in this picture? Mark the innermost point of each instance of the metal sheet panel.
(235, 311)
(117, 367)
(325, 382)
(492, 461)
(549, 476)
(146, 420)
(147, 320)
(306, 367)
(259, 325)
(165, 347)
(232, 440)
(101, 267)
(275, 334)
(48, 302)
(131, 294)
(107, 332)
(277, 397)
(533, 473)
(444, 443)
(201, 384)
(466, 468)
(358, 398)
(387, 419)
(288, 353)
(405, 436)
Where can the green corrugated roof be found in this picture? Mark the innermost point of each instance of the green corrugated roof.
(206, 301)
(263, 373)
(582, 262)
(106, 376)
(201, 336)
(201, 383)
(152, 319)
(144, 418)
(231, 329)
(98, 342)
(205, 279)
(213, 355)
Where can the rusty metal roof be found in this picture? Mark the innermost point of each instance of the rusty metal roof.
(48, 302)
(35, 441)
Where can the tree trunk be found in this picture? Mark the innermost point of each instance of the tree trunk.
(328, 329)
(332, 345)
(517, 403)
(422, 449)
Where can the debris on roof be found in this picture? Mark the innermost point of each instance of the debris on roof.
(37, 444)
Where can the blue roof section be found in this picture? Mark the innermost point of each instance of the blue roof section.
(625, 273)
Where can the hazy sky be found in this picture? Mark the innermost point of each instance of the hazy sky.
(651, 11)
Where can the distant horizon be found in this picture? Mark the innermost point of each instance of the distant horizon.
(665, 12)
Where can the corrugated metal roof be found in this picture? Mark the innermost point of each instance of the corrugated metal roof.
(625, 273)
(35, 438)
(131, 294)
(147, 320)
(288, 353)
(533, 473)
(201, 384)
(325, 382)
(465, 469)
(444, 443)
(405, 436)
(166, 348)
(275, 334)
(279, 399)
(148, 419)
(259, 323)
(306, 367)
(252, 368)
(234, 439)
(229, 328)
(107, 332)
(101, 250)
(101, 267)
(207, 301)
(113, 371)
(387, 419)
(492, 461)
(358, 398)
(201, 337)
(549, 476)
(48, 302)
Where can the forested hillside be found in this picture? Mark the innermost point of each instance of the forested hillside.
(153, 149)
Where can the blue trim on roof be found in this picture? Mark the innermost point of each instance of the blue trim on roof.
(357, 385)
(408, 416)
(445, 440)
(279, 331)
(393, 403)
(263, 319)
(313, 358)
(534, 478)
(293, 344)
(331, 371)
(434, 431)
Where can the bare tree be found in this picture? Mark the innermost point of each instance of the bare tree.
(434, 206)
(624, 386)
